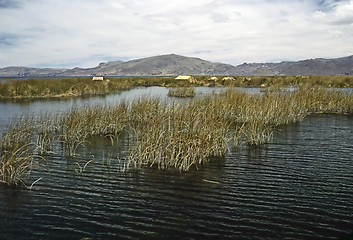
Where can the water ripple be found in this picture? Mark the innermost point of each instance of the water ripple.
(297, 187)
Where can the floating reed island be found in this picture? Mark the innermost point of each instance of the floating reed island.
(73, 87)
(161, 133)
(182, 92)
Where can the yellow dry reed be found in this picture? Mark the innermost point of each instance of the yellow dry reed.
(166, 134)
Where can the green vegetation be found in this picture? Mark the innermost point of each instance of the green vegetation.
(301, 81)
(72, 87)
(163, 134)
(18, 156)
(182, 92)
(277, 81)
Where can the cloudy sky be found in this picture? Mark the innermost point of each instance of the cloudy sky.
(83, 33)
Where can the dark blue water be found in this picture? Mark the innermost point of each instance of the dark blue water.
(299, 186)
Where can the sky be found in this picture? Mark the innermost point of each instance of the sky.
(83, 33)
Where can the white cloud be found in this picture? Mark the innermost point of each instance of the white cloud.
(340, 13)
(85, 32)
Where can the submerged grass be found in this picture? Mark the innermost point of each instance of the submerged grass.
(164, 134)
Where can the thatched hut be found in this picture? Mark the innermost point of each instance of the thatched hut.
(97, 79)
(228, 78)
(191, 79)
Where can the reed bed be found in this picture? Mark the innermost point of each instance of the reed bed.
(18, 152)
(46, 129)
(73, 87)
(77, 125)
(165, 134)
(67, 87)
(281, 81)
(182, 92)
(16, 165)
(182, 136)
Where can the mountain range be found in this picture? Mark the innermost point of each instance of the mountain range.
(173, 65)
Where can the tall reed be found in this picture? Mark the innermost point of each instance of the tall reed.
(182, 136)
(17, 153)
(68, 87)
(16, 165)
(182, 92)
(79, 124)
(166, 134)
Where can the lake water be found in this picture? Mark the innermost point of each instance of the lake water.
(11, 109)
(299, 186)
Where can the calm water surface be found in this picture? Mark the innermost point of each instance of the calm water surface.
(299, 186)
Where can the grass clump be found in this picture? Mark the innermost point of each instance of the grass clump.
(182, 136)
(18, 154)
(77, 125)
(73, 87)
(16, 165)
(165, 134)
(182, 92)
(67, 87)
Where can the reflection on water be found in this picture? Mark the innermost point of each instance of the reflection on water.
(297, 187)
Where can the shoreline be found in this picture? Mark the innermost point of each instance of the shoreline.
(42, 88)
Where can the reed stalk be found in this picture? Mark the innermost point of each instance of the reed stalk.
(183, 137)
(73, 87)
(182, 92)
(16, 165)
(166, 134)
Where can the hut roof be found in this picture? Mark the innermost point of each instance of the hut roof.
(183, 77)
(97, 78)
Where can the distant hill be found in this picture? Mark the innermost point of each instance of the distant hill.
(165, 65)
(27, 72)
(172, 65)
(309, 67)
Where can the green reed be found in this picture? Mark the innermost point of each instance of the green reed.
(16, 165)
(182, 92)
(18, 152)
(65, 87)
(73, 87)
(165, 134)
(18, 133)
(79, 124)
(182, 136)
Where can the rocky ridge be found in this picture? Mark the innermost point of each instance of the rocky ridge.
(173, 65)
